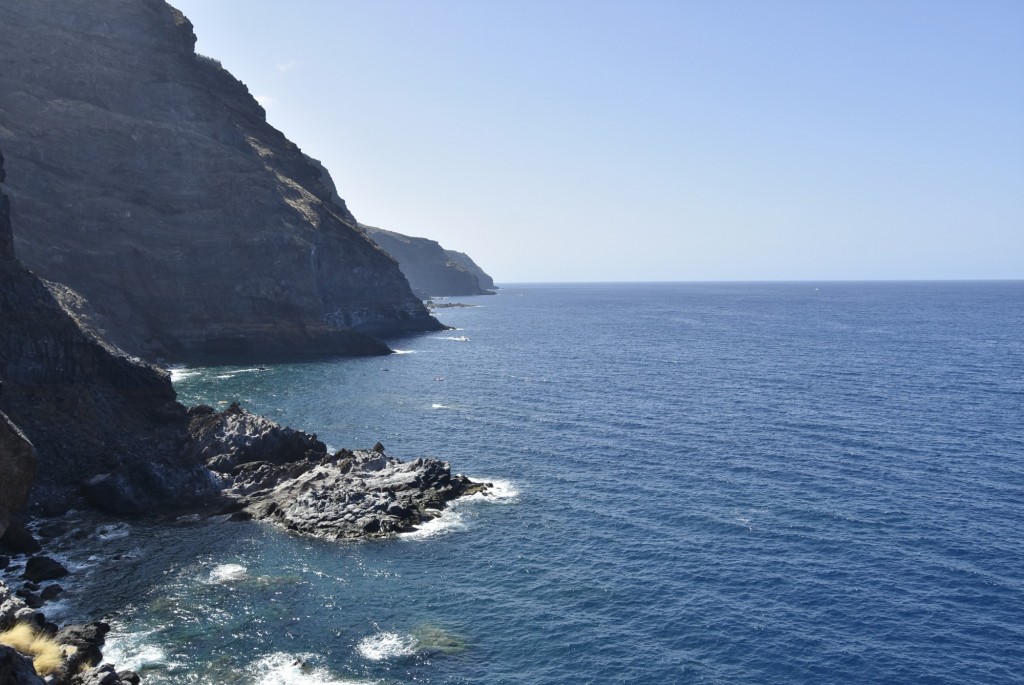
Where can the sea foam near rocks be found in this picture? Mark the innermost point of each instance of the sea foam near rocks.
(228, 573)
(386, 645)
(293, 669)
(451, 518)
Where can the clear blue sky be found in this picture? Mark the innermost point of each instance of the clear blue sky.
(573, 140)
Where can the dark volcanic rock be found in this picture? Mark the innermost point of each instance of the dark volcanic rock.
(51, 592)
(235, 436)
(87, 639)
(431, 272)
(148, 180)
(19, 540)
(353, 494)
(16, 669)
(285, 476)
(43, 568)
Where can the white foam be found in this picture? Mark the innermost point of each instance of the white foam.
(457, 338)
(448, 521)
(386, 645)
(293, 669)
(501, 491)
(236, 372)
(180, 372)
(228, 573)
(404, 351)
(435, 405)
(131, 651)
(113, 531)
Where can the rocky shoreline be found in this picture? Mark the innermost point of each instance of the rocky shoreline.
(264, 472)
(35, 651)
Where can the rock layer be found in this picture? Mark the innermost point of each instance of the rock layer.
(149, 181)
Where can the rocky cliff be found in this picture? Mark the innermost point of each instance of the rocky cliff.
(429, 268)
(108, 428)
(464, 260)
(148, 180)
(93, 414)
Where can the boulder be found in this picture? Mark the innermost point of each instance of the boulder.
(43, 568)
(87, 639)
(51, 592)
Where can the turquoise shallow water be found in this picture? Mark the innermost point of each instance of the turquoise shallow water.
(706, 483)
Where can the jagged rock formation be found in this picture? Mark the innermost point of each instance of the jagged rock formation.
(429, 268)
(464, 260)
(149, 181)
(287, 477)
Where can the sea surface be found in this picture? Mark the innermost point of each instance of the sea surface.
(694, 483)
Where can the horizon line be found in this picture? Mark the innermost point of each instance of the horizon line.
(500, 284)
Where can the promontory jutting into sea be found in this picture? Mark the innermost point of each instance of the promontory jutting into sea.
(246, 438)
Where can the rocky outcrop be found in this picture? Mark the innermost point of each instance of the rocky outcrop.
(149, 182)
(429, 268)
(287, 477)
(464, 260)
(357, 494)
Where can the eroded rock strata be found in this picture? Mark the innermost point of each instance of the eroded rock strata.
(150, 183)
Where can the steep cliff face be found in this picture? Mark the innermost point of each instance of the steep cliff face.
(464, 260)
(149, 181)
(92, 413)
(431, 272)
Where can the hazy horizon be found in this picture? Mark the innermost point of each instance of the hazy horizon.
(672, 142)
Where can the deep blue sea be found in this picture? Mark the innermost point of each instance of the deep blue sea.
(697, 483)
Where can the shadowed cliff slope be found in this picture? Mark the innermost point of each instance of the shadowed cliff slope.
(148, 180)
(88, 408)
(427, 265)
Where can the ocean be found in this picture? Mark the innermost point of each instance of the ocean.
(694, 483)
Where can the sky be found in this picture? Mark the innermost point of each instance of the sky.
(684, 140)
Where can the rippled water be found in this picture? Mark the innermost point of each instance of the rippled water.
(804, 483)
